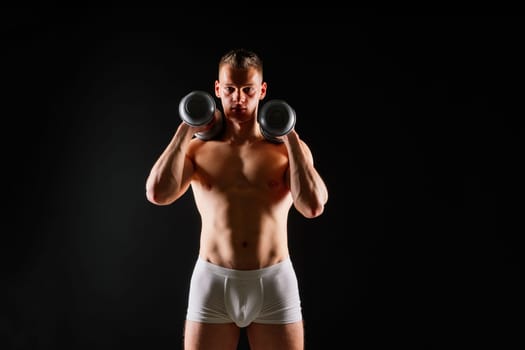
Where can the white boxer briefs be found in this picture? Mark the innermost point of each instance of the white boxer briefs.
(268, 295)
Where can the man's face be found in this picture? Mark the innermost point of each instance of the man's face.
(240, 91)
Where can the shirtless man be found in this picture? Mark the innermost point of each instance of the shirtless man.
(244, 187)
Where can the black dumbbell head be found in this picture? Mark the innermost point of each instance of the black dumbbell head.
(276, 119)
(197, 108)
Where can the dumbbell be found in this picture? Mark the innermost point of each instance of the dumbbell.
(276, 118)
(197, 109)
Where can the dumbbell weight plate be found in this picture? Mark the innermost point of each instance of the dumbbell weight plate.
(197, 108)
(276, 118)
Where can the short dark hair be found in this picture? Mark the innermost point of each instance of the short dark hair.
(242, 59)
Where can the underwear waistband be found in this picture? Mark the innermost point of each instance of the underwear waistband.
(243, 274)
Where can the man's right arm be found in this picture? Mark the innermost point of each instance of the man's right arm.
(171, 174)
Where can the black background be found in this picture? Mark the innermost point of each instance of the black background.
(414, 122)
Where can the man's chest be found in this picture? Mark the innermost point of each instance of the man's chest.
(248, 166)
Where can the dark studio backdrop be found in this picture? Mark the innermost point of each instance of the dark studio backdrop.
(414, 122)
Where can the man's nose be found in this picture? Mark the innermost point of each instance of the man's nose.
(239, 96)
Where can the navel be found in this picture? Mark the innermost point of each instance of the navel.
(244, 244)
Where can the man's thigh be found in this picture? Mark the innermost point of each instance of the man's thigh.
(288, 336)
(210, 336)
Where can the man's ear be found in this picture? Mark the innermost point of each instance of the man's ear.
(217, 89)
(263, 91)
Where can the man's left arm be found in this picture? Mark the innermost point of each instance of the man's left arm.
(309, 191)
